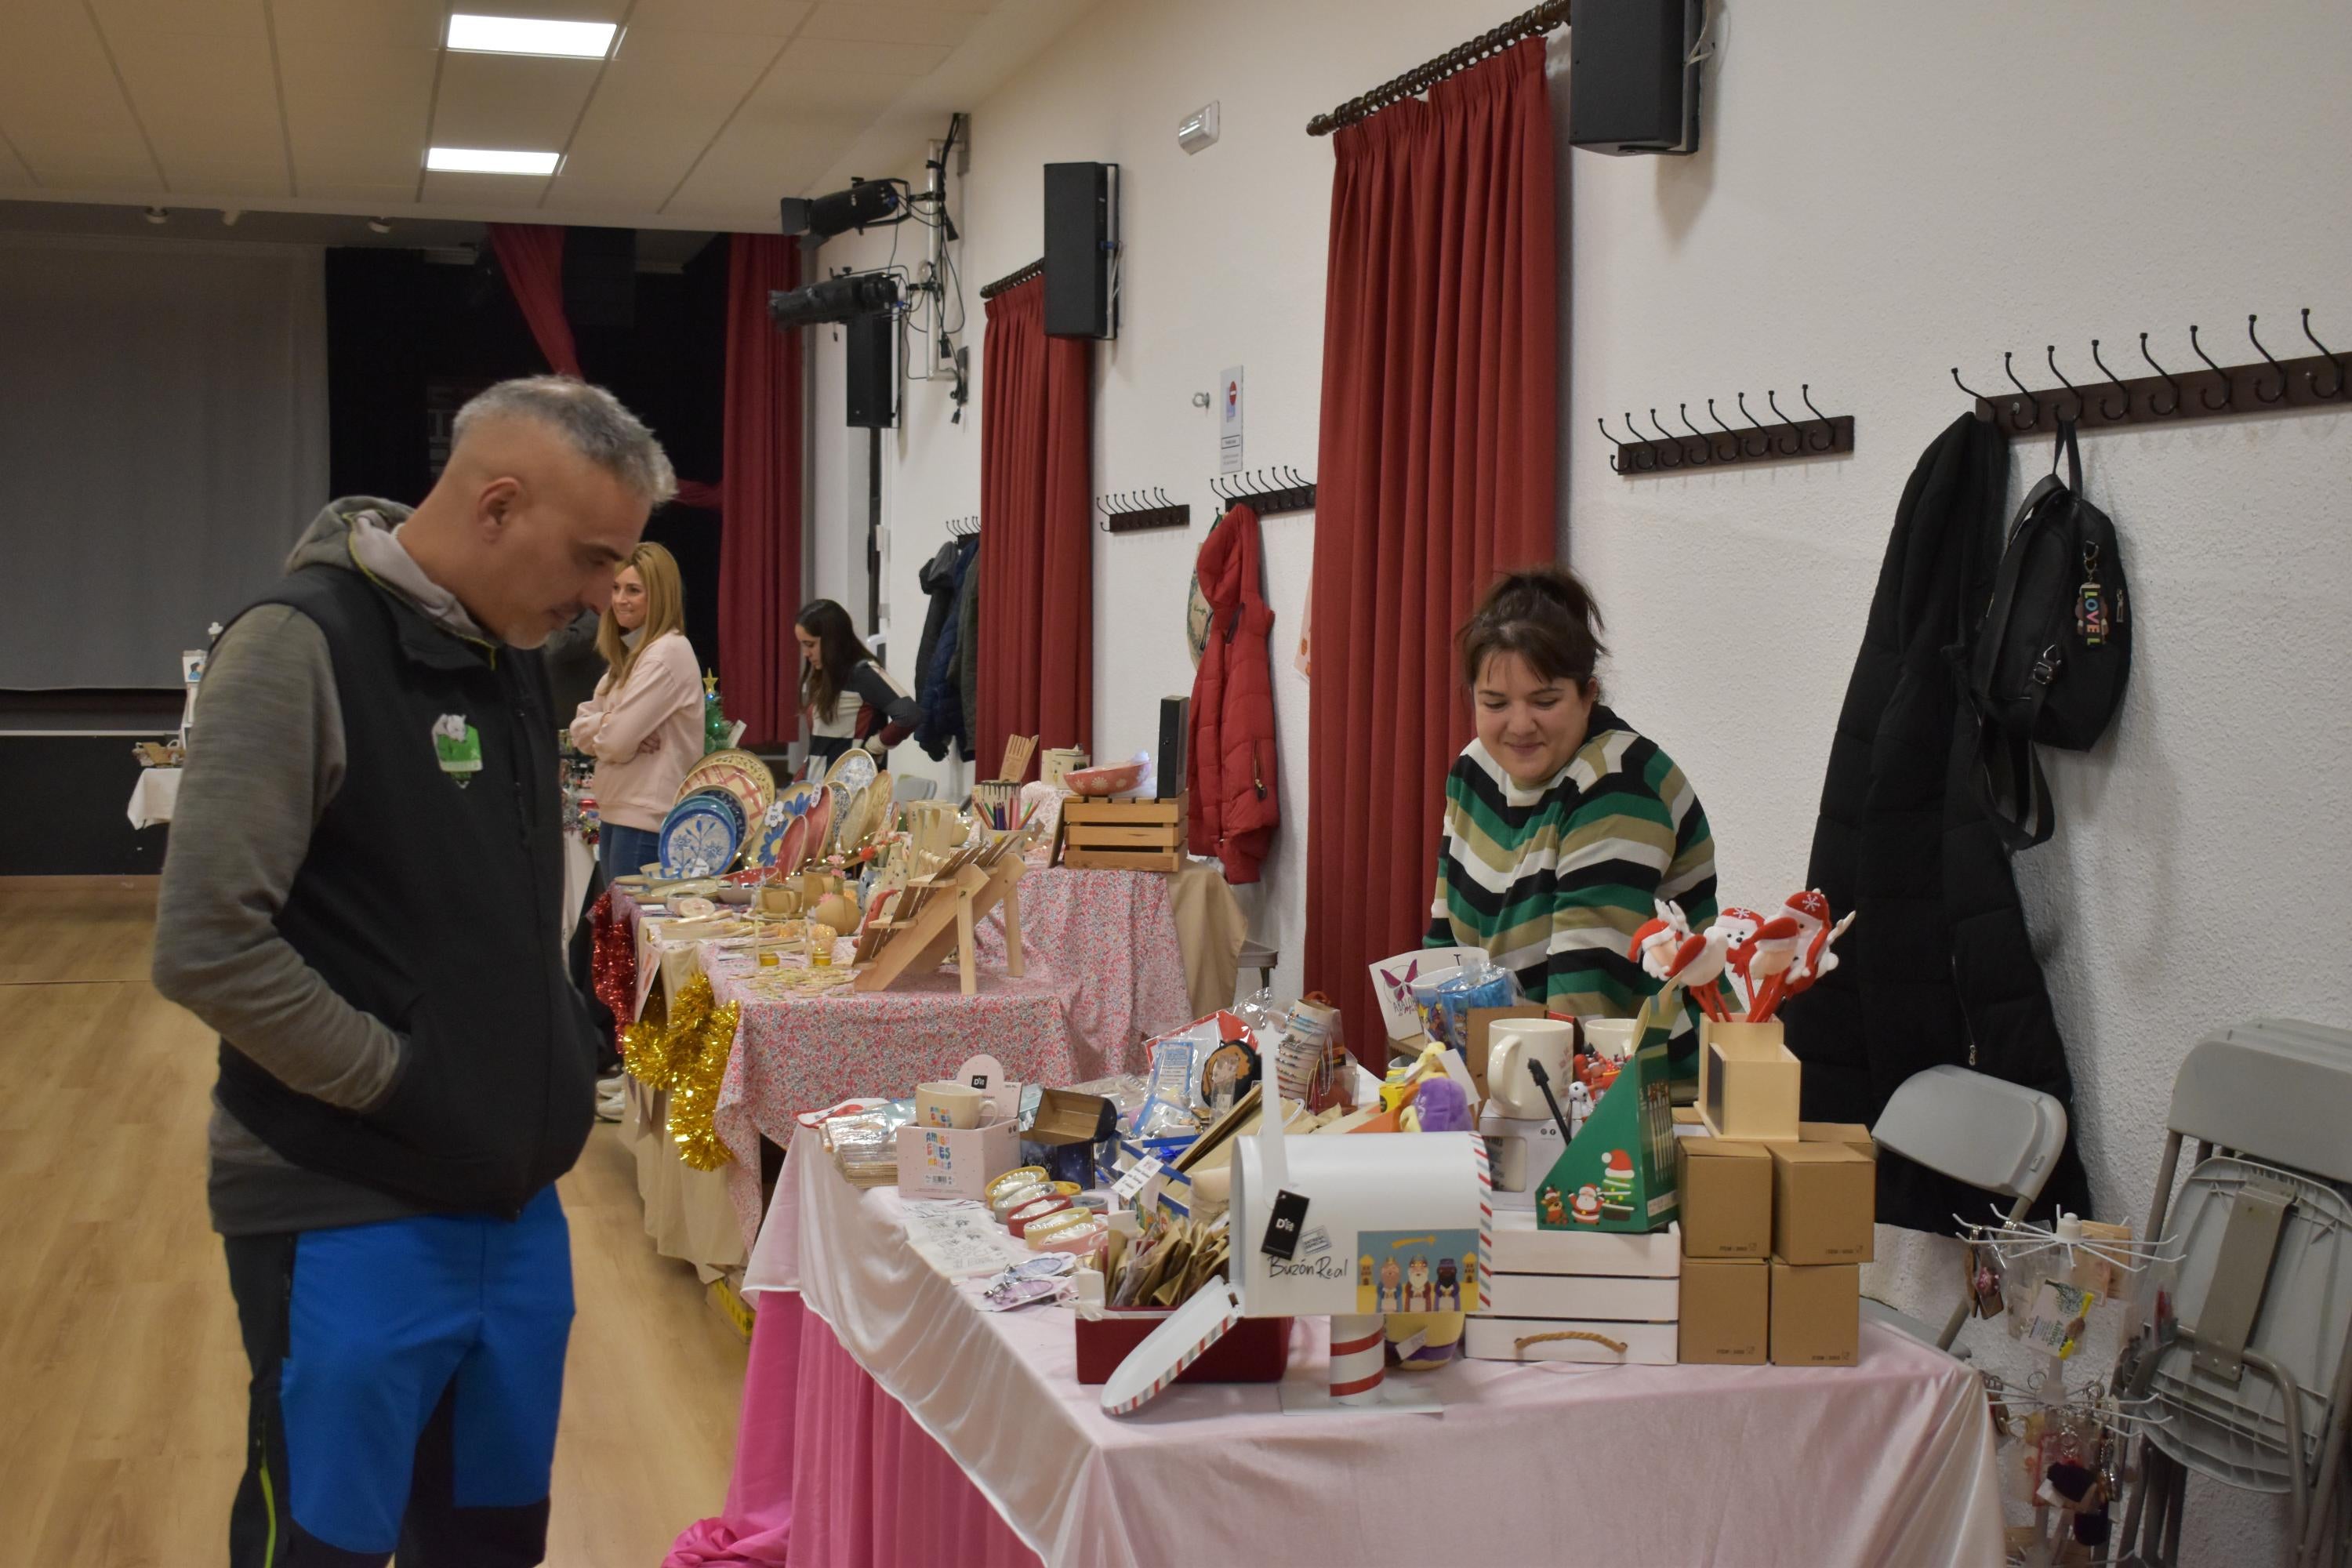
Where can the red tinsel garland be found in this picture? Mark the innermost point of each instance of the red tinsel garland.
(613, 962)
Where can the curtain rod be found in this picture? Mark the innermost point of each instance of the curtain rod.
(1551, 14)
(1014, 280)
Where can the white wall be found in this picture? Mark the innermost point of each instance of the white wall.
(1223, 266)
(1887, 190)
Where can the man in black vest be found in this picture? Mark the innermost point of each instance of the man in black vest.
(362, 897)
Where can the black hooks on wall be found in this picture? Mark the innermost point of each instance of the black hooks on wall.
(964, 527)
(2267, 381)
(1723, 446)
(1264, 491)
(1133, 512)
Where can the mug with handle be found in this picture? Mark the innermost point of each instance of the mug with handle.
(1512, 1044)
(954, 1105)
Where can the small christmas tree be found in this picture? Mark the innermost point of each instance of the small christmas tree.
(717, 734)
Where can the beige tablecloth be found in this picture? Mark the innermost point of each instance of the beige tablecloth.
(1210, 929)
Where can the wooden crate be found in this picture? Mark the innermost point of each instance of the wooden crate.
(1132, 835)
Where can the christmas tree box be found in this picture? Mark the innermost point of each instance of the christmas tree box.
(1619, 1173)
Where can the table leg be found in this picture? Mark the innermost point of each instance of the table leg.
(1014, 965)
(964, 945)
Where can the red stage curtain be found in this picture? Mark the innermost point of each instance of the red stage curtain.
(1438, 458)
(1036, 542)
(759, 497)
(532, 257)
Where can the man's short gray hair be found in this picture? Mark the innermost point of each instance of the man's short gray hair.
(599, 429)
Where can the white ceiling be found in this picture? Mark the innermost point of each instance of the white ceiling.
(705, 112)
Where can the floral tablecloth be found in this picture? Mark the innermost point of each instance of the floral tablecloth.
(1116, 933)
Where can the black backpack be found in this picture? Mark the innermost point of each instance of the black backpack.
(2053, 653)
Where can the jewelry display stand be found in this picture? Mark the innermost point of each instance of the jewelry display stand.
(944, 909)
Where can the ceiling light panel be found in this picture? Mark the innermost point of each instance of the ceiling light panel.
(490, 161)
(529, 36)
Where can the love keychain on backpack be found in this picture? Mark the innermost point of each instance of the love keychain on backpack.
(2090, 601)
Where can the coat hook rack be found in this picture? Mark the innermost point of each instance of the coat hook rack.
(2312, 381)
(1134, 511)
(1692, 448)
(1264, 491)
(964, 527)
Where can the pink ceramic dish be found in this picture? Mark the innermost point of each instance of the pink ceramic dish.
(1119, 779)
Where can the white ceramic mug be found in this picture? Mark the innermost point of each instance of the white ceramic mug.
(1511, 1045)
(955, 1105)
(1611, 1038)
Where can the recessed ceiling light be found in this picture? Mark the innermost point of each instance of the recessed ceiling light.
(531, 35)
(490, 161)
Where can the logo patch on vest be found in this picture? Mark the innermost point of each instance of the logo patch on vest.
(458, 747)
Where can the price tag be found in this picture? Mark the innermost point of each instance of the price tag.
(1136, 1180)
(1283, 1226)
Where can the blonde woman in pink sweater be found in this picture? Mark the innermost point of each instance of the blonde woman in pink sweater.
(643, 726)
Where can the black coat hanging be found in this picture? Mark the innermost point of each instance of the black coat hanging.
(1939, 966)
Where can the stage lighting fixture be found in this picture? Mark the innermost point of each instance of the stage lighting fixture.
(834, 299)
(868, 204)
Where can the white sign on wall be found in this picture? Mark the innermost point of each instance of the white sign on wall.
(1229, 421)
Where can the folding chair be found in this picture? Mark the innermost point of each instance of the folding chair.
(904, 789)
(2263, 1286)
(1984, 1131)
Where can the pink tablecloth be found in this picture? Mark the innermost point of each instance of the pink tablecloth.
(888, 1421)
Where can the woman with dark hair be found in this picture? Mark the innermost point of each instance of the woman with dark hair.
(1564, 824)
(845, 694)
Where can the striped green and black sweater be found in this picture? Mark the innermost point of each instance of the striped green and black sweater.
(1552, 882)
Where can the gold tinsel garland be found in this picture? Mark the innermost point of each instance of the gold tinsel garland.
(682, 1050)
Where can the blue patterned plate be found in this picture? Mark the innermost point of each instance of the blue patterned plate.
(700, 837)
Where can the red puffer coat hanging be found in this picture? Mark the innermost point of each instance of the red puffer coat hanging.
(1229, 751)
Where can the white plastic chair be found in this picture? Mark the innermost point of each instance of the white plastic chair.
(1984, 1131)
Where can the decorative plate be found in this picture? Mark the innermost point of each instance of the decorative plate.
(768, 842)
(727, 803)
(794, 848)
(820, 820)
(699, 838)
(740, 774)
(796, 798)
(853, 769)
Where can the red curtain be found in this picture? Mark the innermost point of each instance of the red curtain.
(760, 496)
(1438, 459)
(1037, 544)
(531, 255)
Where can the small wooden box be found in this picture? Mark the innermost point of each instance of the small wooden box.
(1121, 835)
(1748, 1082)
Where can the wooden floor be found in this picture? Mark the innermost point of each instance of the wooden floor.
(121, 1378)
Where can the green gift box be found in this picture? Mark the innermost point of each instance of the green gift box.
(1619, 1173)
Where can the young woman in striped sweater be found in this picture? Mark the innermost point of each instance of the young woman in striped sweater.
(1564, 824)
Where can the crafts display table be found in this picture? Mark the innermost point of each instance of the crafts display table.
(154, 797)
(888, 1421)
(1104, 974)
(804, 1053)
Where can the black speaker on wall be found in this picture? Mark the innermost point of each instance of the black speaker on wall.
(872, 345)
(600, 277)
(1632, 86)
(1081, 249)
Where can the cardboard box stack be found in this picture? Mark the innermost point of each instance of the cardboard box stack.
(1774, 1234)
(1606, 1289)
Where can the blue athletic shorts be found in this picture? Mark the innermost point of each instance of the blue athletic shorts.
(408, 1380)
